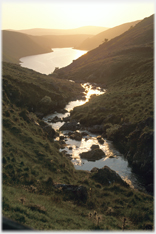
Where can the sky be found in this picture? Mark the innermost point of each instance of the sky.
(68, 14)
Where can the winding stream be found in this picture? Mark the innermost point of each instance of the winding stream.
(113, 159)
(45, 64)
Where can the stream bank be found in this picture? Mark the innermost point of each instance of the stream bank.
(86, 147)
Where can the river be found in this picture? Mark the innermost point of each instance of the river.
(45, 64)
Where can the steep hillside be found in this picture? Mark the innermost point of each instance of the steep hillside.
(93, 42)
(92, 30)
(16, 45)
(116, 58)
(125, 67)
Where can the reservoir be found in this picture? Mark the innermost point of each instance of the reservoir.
(46, 63)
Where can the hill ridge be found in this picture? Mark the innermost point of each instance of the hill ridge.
(95, 41)
(91, 30)
(140, 35)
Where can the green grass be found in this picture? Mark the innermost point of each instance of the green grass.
(125, 67)
(126, 115)
(32, 163)
(129, 100)
(27, 88)
(47, 212)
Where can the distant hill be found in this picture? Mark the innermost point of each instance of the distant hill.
(59, 41)
(93, 30)
(16, 45)
(95, 41)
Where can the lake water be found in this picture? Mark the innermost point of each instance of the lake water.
(46, 63)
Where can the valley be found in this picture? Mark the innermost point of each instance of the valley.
(40, 182)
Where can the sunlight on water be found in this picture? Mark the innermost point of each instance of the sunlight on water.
(46, 63)
(79, 53)
(112, 158)
(85, 145)
(90, 91)
(72, 104)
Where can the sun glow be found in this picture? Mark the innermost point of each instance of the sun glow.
(72, 14)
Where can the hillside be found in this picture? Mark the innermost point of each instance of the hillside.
(95, 41)
(125, 67)
(60, 41)
(92, 30)
(17, 45)
(104, 63)
(40, 184)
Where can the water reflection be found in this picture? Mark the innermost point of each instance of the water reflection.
(46, 63)
(90, 91)
(113, 158)
(73, 104)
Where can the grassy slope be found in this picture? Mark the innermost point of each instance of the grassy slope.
(117, 58)
(27, 88)
(124, 66)
(98, 39)
(32, 163)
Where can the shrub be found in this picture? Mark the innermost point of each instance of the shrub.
(46, 100)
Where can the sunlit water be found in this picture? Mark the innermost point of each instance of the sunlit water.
(113, 158)
(46, 63)
(89, 91)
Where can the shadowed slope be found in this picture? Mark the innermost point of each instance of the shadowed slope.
(92, 43)
(16, 45)
(115, 58)
(125, 66)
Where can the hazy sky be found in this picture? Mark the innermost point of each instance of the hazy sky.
(64, 14)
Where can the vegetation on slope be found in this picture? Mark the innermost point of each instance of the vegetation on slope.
(124, 66)
(117, 58)
(95, 41)
(37, 92)
(33, 167)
